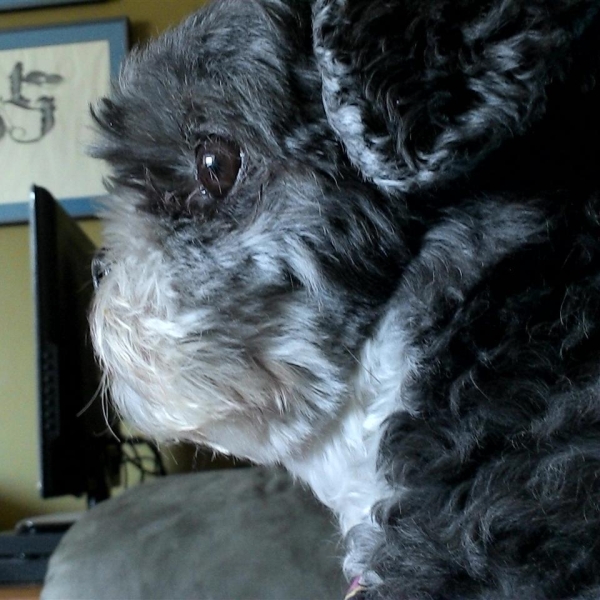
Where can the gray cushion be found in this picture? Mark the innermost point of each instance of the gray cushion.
(240, 534)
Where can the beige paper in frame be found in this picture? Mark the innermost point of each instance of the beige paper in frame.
(49, 77)
(58, 83)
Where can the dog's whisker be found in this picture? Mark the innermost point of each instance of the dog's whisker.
(361, 365)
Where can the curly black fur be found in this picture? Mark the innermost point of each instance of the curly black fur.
(440, 84)
(501, 462)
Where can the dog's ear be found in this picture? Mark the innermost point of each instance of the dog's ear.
(420, 91)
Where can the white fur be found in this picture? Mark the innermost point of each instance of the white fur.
(342, 471)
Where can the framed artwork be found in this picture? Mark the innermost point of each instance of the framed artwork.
(16, 4)
(49, 77)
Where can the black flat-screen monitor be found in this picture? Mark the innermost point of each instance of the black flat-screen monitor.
(79, 454)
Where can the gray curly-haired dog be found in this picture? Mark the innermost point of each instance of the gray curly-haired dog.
(361, 238)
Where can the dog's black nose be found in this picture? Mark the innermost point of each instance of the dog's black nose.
(100, 267)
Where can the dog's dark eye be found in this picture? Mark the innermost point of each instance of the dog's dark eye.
(218, 165)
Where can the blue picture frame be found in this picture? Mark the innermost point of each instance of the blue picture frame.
(115, 32)
(19, 4)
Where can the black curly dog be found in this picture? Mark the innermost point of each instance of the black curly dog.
(361, 238)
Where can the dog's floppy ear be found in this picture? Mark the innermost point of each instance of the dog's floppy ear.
(420, 91)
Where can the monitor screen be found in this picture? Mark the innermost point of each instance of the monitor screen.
(79, 454)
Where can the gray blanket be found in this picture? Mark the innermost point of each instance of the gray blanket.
(241, 534)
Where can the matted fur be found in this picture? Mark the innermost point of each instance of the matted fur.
(399, 298)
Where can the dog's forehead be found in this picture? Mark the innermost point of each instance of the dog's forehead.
(229, 52)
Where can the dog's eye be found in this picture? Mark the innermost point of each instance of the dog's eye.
(218, 165)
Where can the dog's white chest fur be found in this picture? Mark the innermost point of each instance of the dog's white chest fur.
(342, 470)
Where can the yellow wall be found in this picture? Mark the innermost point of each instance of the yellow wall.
(18, 430)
